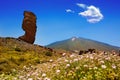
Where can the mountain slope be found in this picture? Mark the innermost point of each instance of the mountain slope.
(15, 54)
(81, 44)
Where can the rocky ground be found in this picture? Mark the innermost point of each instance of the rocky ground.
(23, 61)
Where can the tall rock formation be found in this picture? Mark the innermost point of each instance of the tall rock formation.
(29, 26)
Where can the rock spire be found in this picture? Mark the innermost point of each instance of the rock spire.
(29, 26)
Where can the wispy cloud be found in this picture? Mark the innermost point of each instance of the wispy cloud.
(69, 11)
(81, 5)
(92, 13)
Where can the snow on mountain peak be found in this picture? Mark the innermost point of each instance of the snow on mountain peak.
(74, 38)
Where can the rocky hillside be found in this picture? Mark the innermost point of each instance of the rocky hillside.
(15, 53)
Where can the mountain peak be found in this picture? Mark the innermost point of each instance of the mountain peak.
(73, 38)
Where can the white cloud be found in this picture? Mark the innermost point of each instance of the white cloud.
(69, 11)
(92, 13)
(81, 5)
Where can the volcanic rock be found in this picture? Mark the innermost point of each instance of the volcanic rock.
(29, 26)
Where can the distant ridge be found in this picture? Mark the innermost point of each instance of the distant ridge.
(80, 43)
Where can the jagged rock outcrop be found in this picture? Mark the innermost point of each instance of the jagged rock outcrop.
(29, 26)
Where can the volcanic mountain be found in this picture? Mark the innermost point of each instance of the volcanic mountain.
(74, 43)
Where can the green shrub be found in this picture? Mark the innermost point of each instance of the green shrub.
(17, 49)
(37, 60)
(48, 53)
(21, 59)
(12, 59)
(2, 61)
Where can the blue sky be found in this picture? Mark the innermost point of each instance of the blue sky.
(62, 19)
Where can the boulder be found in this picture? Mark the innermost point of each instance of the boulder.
(29, 26)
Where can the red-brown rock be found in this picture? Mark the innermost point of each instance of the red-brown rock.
(29, 26)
